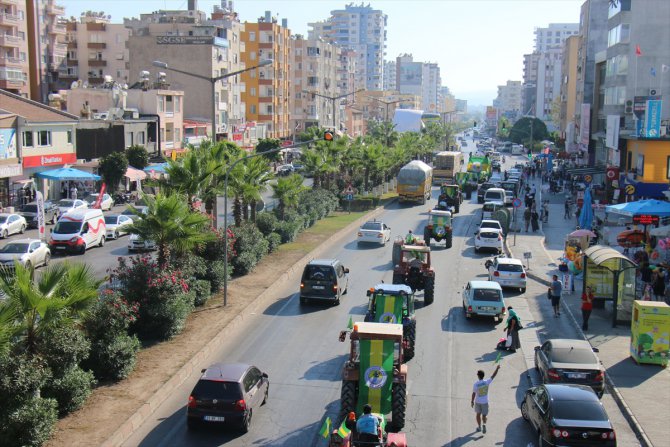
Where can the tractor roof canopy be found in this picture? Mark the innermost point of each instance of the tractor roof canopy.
(416, 248)
(393, 289)
(377, 331)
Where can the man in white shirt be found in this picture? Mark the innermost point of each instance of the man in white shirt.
(480, 398)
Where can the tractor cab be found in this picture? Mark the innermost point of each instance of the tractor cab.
(414, 269)
(439, 227)
(394, 303)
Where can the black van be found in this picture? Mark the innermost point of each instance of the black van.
(324, 279)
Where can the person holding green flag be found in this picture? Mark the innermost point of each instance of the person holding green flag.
(480, 398)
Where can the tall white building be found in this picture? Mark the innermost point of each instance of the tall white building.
(430, 87)
(362, 29)
(549, 46)
(508, 100)
(389, 76)
(420, 79)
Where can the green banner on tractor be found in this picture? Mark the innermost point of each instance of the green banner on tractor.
(388, 309)
(376, 378)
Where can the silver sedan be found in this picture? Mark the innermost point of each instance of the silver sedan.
(28, 252)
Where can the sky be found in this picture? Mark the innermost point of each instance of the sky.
(478, 44)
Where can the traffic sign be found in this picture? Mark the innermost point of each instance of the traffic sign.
(611, 173)
(516, 203)
(588, 178)
(630, 190)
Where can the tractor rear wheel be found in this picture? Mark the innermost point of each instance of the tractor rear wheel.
(429, 290)
(426, 236)
(347, 399)
(398, 279)
(449, 240)
(410, 336)
(457, 208)
(398, 405)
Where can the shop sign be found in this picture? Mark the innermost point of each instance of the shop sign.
(11, 170)
(645, 219)
(237, 137)
(34, 161)
(7, 143)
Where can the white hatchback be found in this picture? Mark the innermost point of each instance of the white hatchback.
(489, 239)
(508, 272)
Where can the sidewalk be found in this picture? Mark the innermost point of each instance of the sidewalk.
(642, 392)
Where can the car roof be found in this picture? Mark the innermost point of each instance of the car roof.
(509, 261)
(330, 262)
(394, 288)
(489, 221)
(570, 343)
(559, 392)
(23, 241)
(229, 372)
(479, 284)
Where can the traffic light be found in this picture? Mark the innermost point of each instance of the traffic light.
(530, 155)
(328, 135)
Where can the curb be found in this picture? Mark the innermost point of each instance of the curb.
(134, 421)
(611, 386)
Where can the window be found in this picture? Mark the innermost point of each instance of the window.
(639, 169)
(169, 105)
(252, 36)
(177, 135)
(69, 137)
(252, 91)
(177, 104)
(161, 103)
(252, 55)
(27, 139)
(44, 138)
(129, 139)
(252, 109)
(667, 168)
(268, 109)
(140, 137)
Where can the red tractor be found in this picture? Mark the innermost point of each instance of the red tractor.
(412, 267)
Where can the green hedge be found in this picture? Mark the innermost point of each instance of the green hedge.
(29, 424)
(250, 247)
(202, 290)
(113, 358)
(70, 389)
(274, 241)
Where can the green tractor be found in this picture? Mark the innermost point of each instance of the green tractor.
(394, 303)
(439, 227)
(375, 372)
(451, 196)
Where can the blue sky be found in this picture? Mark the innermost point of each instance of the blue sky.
(478, 44)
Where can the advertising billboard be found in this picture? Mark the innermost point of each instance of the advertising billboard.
(7, 144)
(612, 132)
(585, 124)
(652, 118)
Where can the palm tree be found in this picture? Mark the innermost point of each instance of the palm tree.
(171, 224)
(191, 175)
(287, 190)
(256, 177)
(62, 295)
(371, 158)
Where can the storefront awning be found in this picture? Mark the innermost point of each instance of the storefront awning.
(67, 174)
(600, 254)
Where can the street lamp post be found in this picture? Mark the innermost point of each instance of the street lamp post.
(225, 214)
(333, 99)
(213, 81)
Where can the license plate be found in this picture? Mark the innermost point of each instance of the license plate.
(214, 418)
(576, 376)
(317, 287)
(60, 248)
(487, 308)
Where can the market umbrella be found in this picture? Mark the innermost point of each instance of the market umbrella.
(586, 214)
(62, 174)
(651, 206)
(582, 233)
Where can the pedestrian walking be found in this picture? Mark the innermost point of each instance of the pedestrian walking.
(534, 220)
(480, 398)
(566, 215)
(555, 292)
(73, 192)
(526, 217)
(512, 328)
(645, 276)
(658, 284)
(587, 307)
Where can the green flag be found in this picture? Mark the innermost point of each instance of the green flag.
(498, 358)
(325, 428)
(388, 309)
(343, 431)
(350, 325)
(376, 377)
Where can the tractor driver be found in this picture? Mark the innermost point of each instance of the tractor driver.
(442, 206)
(368, 426)
(410, 238)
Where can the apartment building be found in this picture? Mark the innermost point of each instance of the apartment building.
(389, 76)
(381, 105)
(508, 100)
(431, 82)
(549, 43)
(267, 90)
(95, 48)
(191, 46)
(419, 78)
(14, 63)
(363, 30)
(568, 89)
(315, 98)
(529, 90)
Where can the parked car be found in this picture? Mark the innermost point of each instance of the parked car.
(489, 239)
(106, 203)
(374, 231)
(29, 252)
(11, 223)
(29, 212)
(285, 170)
(484, 298)
(66, 205)
(130, 213)
(567, 415)
(227, 394)
(570, 361)
(117, 225)
(136, 243)
(508, 272)
(324, 279)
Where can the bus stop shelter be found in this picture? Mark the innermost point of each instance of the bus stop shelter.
(611, 276)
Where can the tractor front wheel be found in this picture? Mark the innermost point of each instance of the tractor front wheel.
(426, 236)
(429, 290)
(399, 405)
(449, 240)
(410, 336)
(347, 399)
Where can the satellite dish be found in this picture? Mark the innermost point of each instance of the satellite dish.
(74, 85)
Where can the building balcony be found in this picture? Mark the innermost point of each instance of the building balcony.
(9, 84)
(59, 49)
(9, 19)
(72, 63)
(95, 80)
(265, 117)
(57, 29)
(9, 2)
(55, 10)
(96, 45)
(96, 63)
(8, 40)
(72, 45)
(4, 61)
(265, 99)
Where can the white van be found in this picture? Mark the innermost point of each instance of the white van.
(495, 195)
(78, 230)
(517, 149)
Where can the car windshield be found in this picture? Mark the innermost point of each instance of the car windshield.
(318, 273)
(490, 225)
(376, 226)
(66, 227)
(510, 268)
(217, 390)
(578, 410)
(573, 355)
(29, 209)
(14, 248)
(65, 203)
(111, 220)
(495, 195)
(487, 295)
